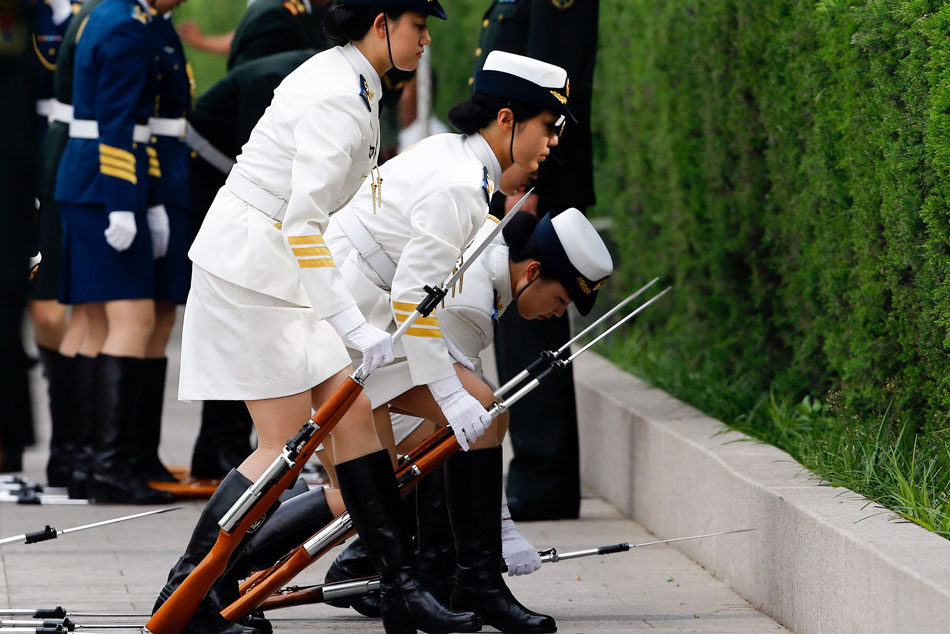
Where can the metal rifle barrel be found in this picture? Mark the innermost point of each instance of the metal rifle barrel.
(547, 357)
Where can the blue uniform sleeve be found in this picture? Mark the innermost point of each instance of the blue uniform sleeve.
(124, 60)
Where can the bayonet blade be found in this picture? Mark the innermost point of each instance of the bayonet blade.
(51, 533)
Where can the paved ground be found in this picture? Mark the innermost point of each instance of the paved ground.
(120, 568)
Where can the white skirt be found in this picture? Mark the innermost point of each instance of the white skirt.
(238, 344)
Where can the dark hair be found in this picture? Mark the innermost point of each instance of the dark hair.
(471, 116)
(519, 236)
(348, 23)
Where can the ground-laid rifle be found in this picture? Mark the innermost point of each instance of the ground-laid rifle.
(432, 453)
(321, 593)
(260, 497)
(52, 533)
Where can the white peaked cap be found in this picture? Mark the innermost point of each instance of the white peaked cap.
(537, 72)
(582, 244)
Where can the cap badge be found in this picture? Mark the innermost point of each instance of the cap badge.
(587, 289)
(559, 96)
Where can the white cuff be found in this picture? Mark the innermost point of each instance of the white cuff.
(346, 320)
(445, 387)
(62, 10)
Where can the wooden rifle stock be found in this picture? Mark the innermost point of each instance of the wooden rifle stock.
(173, 616)
(257, 589)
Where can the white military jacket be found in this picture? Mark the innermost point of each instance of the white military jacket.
(313, 147)
(432, 200)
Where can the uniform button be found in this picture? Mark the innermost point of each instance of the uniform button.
(478, 52)
(154, 139)
(52, 51)
(471, 80)
(175, 67)
(134, 145)
(501, 17)
(485, 23)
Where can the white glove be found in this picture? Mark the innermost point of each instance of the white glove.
(457, 355)
(158, 226)
(465, 414)
(121, 230)
(374, 344)
(520, 556)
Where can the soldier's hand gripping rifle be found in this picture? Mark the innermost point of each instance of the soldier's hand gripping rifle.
(260, 497)
(323, 592)
(431, 453)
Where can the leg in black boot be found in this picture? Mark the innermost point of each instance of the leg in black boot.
(223, 441)
(59, 375)
(148, 431)
(208, 619)
(84, 386)
(369, 491)
(119, 383)
(473, 486)
(435, 544)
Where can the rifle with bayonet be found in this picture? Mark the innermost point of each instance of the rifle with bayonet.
(438, 448)
(321, 593)
(260, 497)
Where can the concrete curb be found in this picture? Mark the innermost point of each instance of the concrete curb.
(824, 560)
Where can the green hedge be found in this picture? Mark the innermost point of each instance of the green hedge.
(786, 164)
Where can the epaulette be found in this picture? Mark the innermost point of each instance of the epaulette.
(487, 185)
(296, 7)
(365, 93)
(138, 13)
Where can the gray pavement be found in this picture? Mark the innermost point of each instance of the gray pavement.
(121, 568)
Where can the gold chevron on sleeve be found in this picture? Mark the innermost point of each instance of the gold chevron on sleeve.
(122, 173)
(300, 240)
(422, 321)
(302, 251)
(316, 263)
(117, 153)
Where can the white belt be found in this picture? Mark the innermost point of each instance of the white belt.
(61, 112)
(89, 129)
(256, 196)
(44, 107)
(208, 152)
(367, 245)
(176, 128)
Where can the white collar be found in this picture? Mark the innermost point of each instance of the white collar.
(362, 66)
(483, 152)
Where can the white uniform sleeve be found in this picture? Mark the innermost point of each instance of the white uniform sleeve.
(326, 138)
(442, 224)
(469, 328)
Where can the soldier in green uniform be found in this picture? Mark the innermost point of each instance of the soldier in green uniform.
(275, 26)
(17, 153)
(544, 476)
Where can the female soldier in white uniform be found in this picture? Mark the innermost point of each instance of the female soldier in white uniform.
(535, 266)
(404, 230)
(267, 307)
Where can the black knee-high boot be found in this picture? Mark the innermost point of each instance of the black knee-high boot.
(223, 439)
(60, 376)
(435, 543)
(369, 491)
(118, 386)
(208, 619)
(148, 431)
(85, 370)
(473, 486)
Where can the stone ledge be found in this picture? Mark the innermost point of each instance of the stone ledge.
(825, 560)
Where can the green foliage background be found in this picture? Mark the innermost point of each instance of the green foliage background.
(786, 164)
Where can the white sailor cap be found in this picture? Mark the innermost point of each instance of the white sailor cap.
(425, 7)
(573, 252)
(525, 80)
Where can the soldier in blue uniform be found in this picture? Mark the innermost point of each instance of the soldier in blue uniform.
(172, 270)
(111, 232)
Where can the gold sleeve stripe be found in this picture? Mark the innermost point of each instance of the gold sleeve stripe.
(317, 239)
(116, 163)
(117, 153)
(123, 174)
(152, 152)
(422, 321)
(301, 251)
(424, 332)
(154, 171)
(404, 306)
(316, 264)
